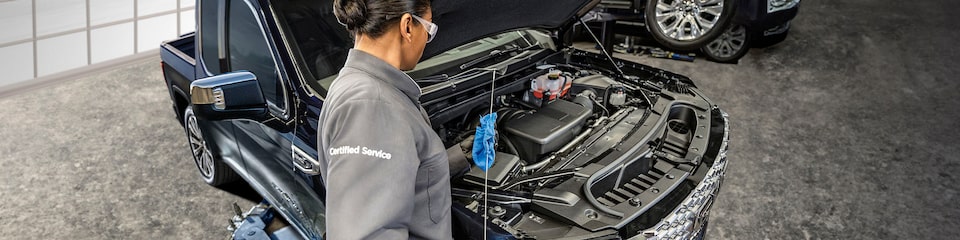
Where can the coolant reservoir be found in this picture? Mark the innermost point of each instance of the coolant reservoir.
(550, 86)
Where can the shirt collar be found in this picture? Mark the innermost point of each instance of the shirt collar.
(383, 71)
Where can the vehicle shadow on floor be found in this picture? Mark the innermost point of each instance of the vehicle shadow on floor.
(241, 189)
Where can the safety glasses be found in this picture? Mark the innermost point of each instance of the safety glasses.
(431, 28)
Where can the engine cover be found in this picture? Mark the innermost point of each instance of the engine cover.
(547, 129)
(504, 166)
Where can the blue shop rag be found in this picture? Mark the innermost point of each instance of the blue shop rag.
(483, 152)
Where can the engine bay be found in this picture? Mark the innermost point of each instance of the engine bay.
(580, 150)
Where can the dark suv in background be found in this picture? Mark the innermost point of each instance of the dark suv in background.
(757, 24)
(724, 30)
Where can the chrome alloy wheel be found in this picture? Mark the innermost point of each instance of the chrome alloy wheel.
(729, 44)
(198, 146)
(687, 20)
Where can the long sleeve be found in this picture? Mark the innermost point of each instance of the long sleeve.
(385, 170)
(372, 172)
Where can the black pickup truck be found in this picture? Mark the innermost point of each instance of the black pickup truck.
(589, 146)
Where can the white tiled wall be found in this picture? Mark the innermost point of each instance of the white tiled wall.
(55, 16)
(105, 11)
(16, 62)
(19, 21)
(111, 42)
(73, 34)
(61, 53)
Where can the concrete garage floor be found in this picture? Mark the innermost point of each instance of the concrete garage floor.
(846, 130)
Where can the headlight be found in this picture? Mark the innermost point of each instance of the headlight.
(777, 5)
(687, 219)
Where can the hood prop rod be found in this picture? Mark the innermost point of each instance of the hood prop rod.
(602, 48)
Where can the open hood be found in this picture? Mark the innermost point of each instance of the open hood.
(461, 21)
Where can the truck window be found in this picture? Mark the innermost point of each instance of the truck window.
(319, 41)
(249, 50)
(209, 34)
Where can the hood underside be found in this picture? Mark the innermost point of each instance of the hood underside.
(461, 21)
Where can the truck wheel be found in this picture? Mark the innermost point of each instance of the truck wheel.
(687, 24)
(212, 169)
(730, 46)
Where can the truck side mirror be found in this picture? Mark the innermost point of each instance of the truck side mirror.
(228, 96)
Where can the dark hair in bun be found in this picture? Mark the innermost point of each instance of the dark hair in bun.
(372, 17)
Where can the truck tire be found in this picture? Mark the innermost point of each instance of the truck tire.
(730, 46)
(212, 169)
(687, 24)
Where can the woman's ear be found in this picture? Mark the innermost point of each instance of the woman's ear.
(406, 25)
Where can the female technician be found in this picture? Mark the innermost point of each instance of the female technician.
(385, 170)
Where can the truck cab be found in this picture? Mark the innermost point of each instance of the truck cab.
(261, 116)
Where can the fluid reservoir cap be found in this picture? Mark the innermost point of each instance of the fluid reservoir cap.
(497, 211)
(553, 76)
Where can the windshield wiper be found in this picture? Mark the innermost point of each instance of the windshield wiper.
(498, 53)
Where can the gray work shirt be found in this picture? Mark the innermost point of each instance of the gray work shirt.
(384, 168)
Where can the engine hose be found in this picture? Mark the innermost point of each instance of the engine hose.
(538, 165)
(539, 177)
(605, 111)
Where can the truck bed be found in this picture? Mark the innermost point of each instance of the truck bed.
(179, 69)
(179, 54)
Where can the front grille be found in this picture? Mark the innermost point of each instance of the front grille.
(687, 219)
(659, 211)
